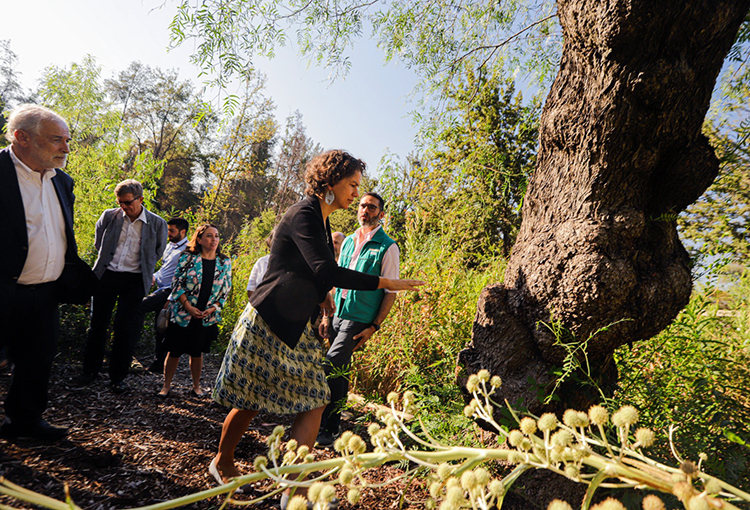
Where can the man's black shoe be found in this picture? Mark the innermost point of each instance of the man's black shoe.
(40, 430)
(85, 379)
(119, 387)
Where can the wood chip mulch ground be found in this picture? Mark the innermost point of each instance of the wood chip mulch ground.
(138, 449)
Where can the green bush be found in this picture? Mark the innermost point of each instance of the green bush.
(695, 375)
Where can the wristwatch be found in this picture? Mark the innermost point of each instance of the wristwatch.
(376, 326)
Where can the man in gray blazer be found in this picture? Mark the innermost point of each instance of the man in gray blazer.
(130, 241)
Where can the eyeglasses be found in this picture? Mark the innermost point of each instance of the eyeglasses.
(369, 207)
(128, 202)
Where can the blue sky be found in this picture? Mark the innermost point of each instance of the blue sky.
(367, 113)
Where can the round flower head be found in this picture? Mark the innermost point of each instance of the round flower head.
(496, 488)
(430, 504)
(712, 486)
(297, 503)
(303, 450)
(373, 429)
(483, 476)
(259, 462)
(289, 457)
(435, 488)
(455, 495)
(515, 437)
(468, 480)
(652, 502)
(484, 375)
(309, 458)
(559, 505)
(444, 470)
(609, 504)
(468, 411)
(278, 431)
(357, 445)
(598, 415)
(496, 382)
(645, 437)
(625, 416)
(313, 493)
(291, 445)
(353, 496)
(526, 444)
(327, 493)
(346, 476)
(392, 398)
(562, 437)
(339, 445)
(683, 491)
(688, 468)
(472, 384)
(583, 419)
(571, 471)
(570, 418)
(547, 422)
(528, 425)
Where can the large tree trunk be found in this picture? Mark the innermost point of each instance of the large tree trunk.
(621, 153)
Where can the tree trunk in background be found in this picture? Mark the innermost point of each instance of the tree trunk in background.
(621, 153)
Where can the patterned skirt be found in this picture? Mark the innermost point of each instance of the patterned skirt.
(261, 373)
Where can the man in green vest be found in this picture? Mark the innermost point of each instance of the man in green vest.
(359, 313)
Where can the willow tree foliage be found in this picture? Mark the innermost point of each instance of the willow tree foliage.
(717, 223)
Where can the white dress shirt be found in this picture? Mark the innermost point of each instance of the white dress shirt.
(45, 225)
(259, 271)
(389, 267)
(127, 257)
(163, 277)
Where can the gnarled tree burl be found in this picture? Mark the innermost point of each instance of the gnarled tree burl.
(621, 153)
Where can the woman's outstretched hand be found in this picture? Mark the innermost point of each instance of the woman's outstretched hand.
(398, 284)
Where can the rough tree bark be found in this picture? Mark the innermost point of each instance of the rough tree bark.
(621, 153)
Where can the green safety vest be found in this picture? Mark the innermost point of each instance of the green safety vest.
(363, 305)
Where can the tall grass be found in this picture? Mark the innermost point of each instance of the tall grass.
(696, 375)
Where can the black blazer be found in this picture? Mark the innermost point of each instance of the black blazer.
(16, 241)
(301, 270)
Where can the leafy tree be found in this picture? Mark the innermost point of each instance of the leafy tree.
(166, 117)
(10, 88)
(296, 149)
(717, 223)
(480, 166)
(239, 186)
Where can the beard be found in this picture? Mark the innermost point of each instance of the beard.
(369, 222)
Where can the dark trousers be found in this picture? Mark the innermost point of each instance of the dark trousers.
(338, 359)
(126, 291)
(154, 302)
(30, 329)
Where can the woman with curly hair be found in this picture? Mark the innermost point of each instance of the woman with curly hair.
(200, 285)
(273, 362)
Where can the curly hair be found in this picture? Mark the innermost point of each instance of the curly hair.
(329, 168)
(195, 248)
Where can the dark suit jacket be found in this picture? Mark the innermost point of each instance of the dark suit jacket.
(12, 213)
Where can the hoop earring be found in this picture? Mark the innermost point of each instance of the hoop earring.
(330, 197)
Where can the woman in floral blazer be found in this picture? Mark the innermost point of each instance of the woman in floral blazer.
(200, 287)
